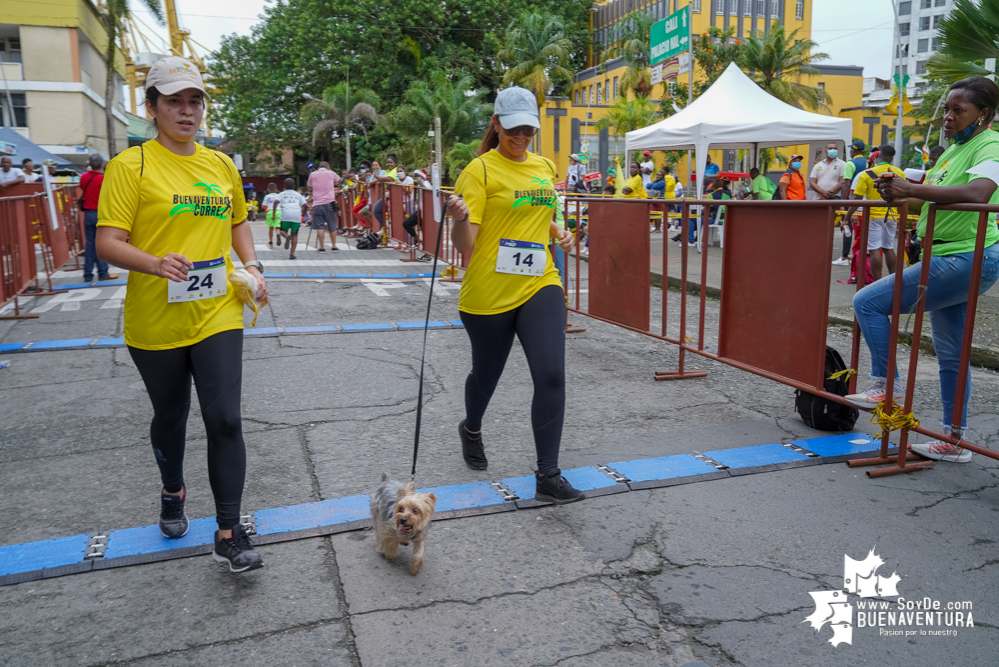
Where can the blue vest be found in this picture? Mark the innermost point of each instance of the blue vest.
(860, 162)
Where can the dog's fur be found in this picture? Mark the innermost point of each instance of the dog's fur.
(399, 516)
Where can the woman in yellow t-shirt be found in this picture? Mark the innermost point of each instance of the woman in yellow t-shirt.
(171, 212)
(633, 188)
(511, 286)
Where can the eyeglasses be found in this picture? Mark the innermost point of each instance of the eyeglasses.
(521, 131)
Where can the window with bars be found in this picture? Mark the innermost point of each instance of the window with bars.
(696, 6)
(799, 9)
(761, 7)
(719, 6)
(577, 96)
(606, 91)
(733, 7)
(747, 8)
(774, 9)
(615, 87)
(600, 90)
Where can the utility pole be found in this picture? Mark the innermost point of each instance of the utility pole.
(901, 89)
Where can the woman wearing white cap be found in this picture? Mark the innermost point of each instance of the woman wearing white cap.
(511, 286)
(171, 211)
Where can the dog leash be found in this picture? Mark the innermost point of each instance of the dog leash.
(426, 329)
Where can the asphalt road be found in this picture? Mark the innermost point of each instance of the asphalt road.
(718, 571)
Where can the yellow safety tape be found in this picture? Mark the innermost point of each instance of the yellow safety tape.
(895, 421)
(846, 371)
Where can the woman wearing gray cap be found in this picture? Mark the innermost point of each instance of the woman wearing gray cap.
(171, 212)
(511, 286)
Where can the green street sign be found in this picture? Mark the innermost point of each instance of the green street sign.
(669, 37)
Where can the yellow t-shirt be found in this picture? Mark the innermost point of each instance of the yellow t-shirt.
(508, 200)
(171, 203)
(670, 191)
(637, 188)
(865, 187)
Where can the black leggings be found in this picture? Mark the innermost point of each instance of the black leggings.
(409, 224)
(216, 364)
(540, 326)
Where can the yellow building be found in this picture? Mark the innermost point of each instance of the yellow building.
(52, 55)
(569, 123)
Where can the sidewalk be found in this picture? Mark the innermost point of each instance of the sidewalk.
(985, 344)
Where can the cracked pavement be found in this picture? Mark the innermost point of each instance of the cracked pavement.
(717, 572)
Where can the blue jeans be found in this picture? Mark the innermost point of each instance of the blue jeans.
(946, 302)
(90, 252)
(559, 258)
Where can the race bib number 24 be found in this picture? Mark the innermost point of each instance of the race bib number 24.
(206, 280)
(521, 258)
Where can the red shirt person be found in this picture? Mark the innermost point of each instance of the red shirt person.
(90, 185)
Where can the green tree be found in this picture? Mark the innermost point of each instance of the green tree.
(535, 49)
(632, 44)
(450, 97)
(341, 110)
(775, 61)
(627, 115)
(967, 38)
(714, 51)
(114, 14)
(459, 156)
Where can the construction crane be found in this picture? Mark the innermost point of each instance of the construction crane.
(141, 51)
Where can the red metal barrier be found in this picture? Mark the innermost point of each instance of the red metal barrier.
(773, 322)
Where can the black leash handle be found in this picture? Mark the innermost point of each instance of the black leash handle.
(426, 329)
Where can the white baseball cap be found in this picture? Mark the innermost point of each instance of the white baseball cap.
(173, 74)
(516, 106)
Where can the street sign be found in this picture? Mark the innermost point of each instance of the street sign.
(670, 37)
(676, 66)
(657, 74)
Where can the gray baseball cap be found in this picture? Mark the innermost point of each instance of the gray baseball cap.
(515, 107)
(173, 74)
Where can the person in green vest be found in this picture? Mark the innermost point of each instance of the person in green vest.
(763, 187)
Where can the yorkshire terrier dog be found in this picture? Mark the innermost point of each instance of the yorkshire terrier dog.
(400, 515)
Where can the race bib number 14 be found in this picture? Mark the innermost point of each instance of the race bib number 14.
(206, 280)
(521, 258)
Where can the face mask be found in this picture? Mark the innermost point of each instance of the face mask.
(832, 153)
(964, 135)
(796, 166)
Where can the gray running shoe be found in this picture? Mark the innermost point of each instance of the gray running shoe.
(173, 521)
(237, 551)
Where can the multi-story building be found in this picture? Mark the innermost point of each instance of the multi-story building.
(52, 58)
(918, 21)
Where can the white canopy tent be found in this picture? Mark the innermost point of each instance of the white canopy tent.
(736, 113)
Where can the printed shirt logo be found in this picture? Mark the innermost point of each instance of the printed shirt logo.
(543, 195)
(916, 617)
(212, 204)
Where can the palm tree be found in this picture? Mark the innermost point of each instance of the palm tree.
(342, 109)
(451, 98)
(535, 49)
(627, 115)
(967, 35)
(114, 14)
(776, 61)
(633, 45)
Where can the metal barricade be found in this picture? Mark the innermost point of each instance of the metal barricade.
(764, 328)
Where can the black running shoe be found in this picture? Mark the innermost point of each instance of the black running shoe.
(556, 489)
(472, 449)
(237, 551)
(287, 241)
(173, 521)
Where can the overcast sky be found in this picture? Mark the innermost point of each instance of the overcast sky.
(852, 32)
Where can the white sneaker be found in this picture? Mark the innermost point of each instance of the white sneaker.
(942, 451)
(876, 394)
(841, 262)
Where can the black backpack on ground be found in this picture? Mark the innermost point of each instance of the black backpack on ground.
(370, 241)
(821, 413)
